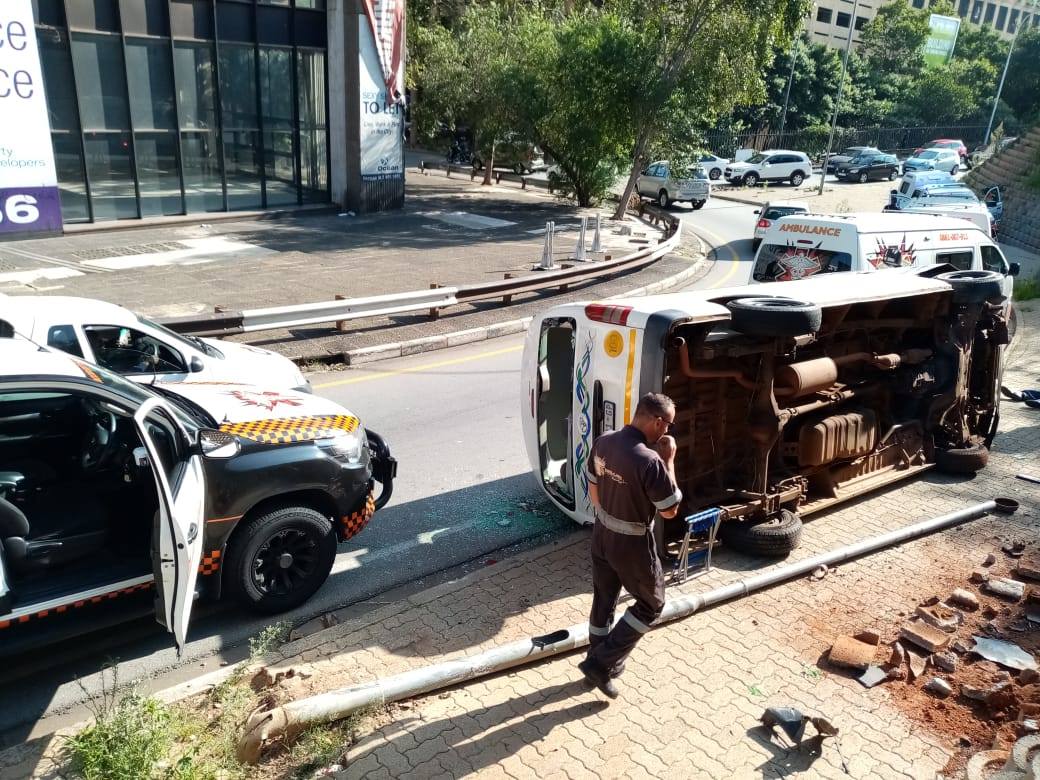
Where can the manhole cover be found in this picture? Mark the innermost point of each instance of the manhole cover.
(130, 249)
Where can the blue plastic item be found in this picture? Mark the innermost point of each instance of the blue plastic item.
(704, 522)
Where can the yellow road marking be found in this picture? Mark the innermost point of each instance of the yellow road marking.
(415, 369)
(734, 263)
(628, 375)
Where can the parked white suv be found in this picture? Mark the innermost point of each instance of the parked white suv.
(770, 165)
(656, 183)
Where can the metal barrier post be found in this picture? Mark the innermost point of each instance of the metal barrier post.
(547, 250)
(596, 243)
(579, 253)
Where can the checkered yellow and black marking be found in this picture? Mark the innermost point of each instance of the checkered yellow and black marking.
(289, 430)
(357, 520)
(210, 563)
(75, 605)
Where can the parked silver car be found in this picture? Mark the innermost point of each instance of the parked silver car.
(656, 182)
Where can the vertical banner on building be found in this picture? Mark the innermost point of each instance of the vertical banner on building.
(942, 38)
(29, 200)
(386, 17)
(382, 140)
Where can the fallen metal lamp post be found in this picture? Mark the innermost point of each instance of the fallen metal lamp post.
(290, 719)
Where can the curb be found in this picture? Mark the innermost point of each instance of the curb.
(363, 355)
(734, 199)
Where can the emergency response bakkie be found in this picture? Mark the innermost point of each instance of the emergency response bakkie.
(111, 491)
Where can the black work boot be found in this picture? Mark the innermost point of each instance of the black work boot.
(597, 678)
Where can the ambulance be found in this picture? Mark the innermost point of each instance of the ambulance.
(801, 246)
(789, 399)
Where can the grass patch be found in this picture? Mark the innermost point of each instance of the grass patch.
(1026, 289)
(130, 738)
(137, 737)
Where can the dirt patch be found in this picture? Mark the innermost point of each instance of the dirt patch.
(964, 724)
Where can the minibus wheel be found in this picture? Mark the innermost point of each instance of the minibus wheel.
(774, 536)
(774, 316)
(963, 460)
(974, 286)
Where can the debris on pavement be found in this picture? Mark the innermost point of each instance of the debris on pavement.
(874, 675)
(1029, 567)
(946, 661)
(939, 687)
(1004, 653)
(917, 661)
(1014, 549)
(1012, 590)
(990, 560)
(792, 722)
(940, 616)
(852, 653)
(925, 636)
(964, 599)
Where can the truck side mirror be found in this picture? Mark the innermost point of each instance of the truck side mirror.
(196, 364)
(1014, 269)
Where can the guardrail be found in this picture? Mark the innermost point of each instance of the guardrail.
(498, 175)
(227, 323)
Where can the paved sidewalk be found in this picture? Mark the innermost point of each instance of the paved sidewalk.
(693, 690)
(451, 232)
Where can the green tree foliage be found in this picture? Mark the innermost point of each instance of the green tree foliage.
(1022, 90)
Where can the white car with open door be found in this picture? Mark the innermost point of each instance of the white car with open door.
(114, 495)
(120, 340)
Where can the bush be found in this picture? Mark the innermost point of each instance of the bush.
(1026, 289)
(130, 736)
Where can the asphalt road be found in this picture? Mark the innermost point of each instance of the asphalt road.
(465, 497)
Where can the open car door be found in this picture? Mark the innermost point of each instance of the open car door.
(177, 533)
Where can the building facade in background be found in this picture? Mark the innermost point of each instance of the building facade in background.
(830, 20)
(160, 108)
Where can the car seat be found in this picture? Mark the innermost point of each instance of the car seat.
(32, 546)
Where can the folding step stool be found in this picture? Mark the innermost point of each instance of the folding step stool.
(706, 521)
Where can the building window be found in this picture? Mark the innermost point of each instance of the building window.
(976, 12)
(1001, 17)
(314, 150)
(823, 15)
(228, 114)
(1013, 21)
(861, 22)
(990, 11)
(844, 19)
(918, 3)
(963, 8)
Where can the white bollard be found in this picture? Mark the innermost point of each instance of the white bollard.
(579, 253)
(547, 249)
(597, 246)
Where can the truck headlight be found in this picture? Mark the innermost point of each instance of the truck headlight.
(346, 445)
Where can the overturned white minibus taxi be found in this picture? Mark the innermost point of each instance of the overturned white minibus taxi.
(786, 404)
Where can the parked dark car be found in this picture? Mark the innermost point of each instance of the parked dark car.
(869, 165)
(835, 161)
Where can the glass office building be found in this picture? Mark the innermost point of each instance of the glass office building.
(167, 107)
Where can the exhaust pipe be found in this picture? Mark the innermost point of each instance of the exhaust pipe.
(288, 720)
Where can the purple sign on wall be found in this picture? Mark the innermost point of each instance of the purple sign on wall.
(28, 180)
(29, 210)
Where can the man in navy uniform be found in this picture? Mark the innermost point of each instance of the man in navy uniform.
(631, 479)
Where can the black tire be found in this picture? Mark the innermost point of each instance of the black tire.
(663, 200)
(966, 460)
(697, 204)
(714, 174)
(863, 178)
(755, 244)
(892, 175)
(751, 179)
(797, 178)
(774, 316)
(774, 537)
(974, 286)
(256, 576)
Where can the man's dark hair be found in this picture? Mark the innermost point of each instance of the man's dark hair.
(654, 405)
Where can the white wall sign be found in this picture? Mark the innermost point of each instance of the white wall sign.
(382, 142)
(28, 182)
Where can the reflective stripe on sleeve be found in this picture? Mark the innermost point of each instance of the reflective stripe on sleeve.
(670, 501)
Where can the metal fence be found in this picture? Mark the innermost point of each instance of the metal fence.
(894, 140)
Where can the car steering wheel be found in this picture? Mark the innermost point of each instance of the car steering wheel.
(101, 442)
